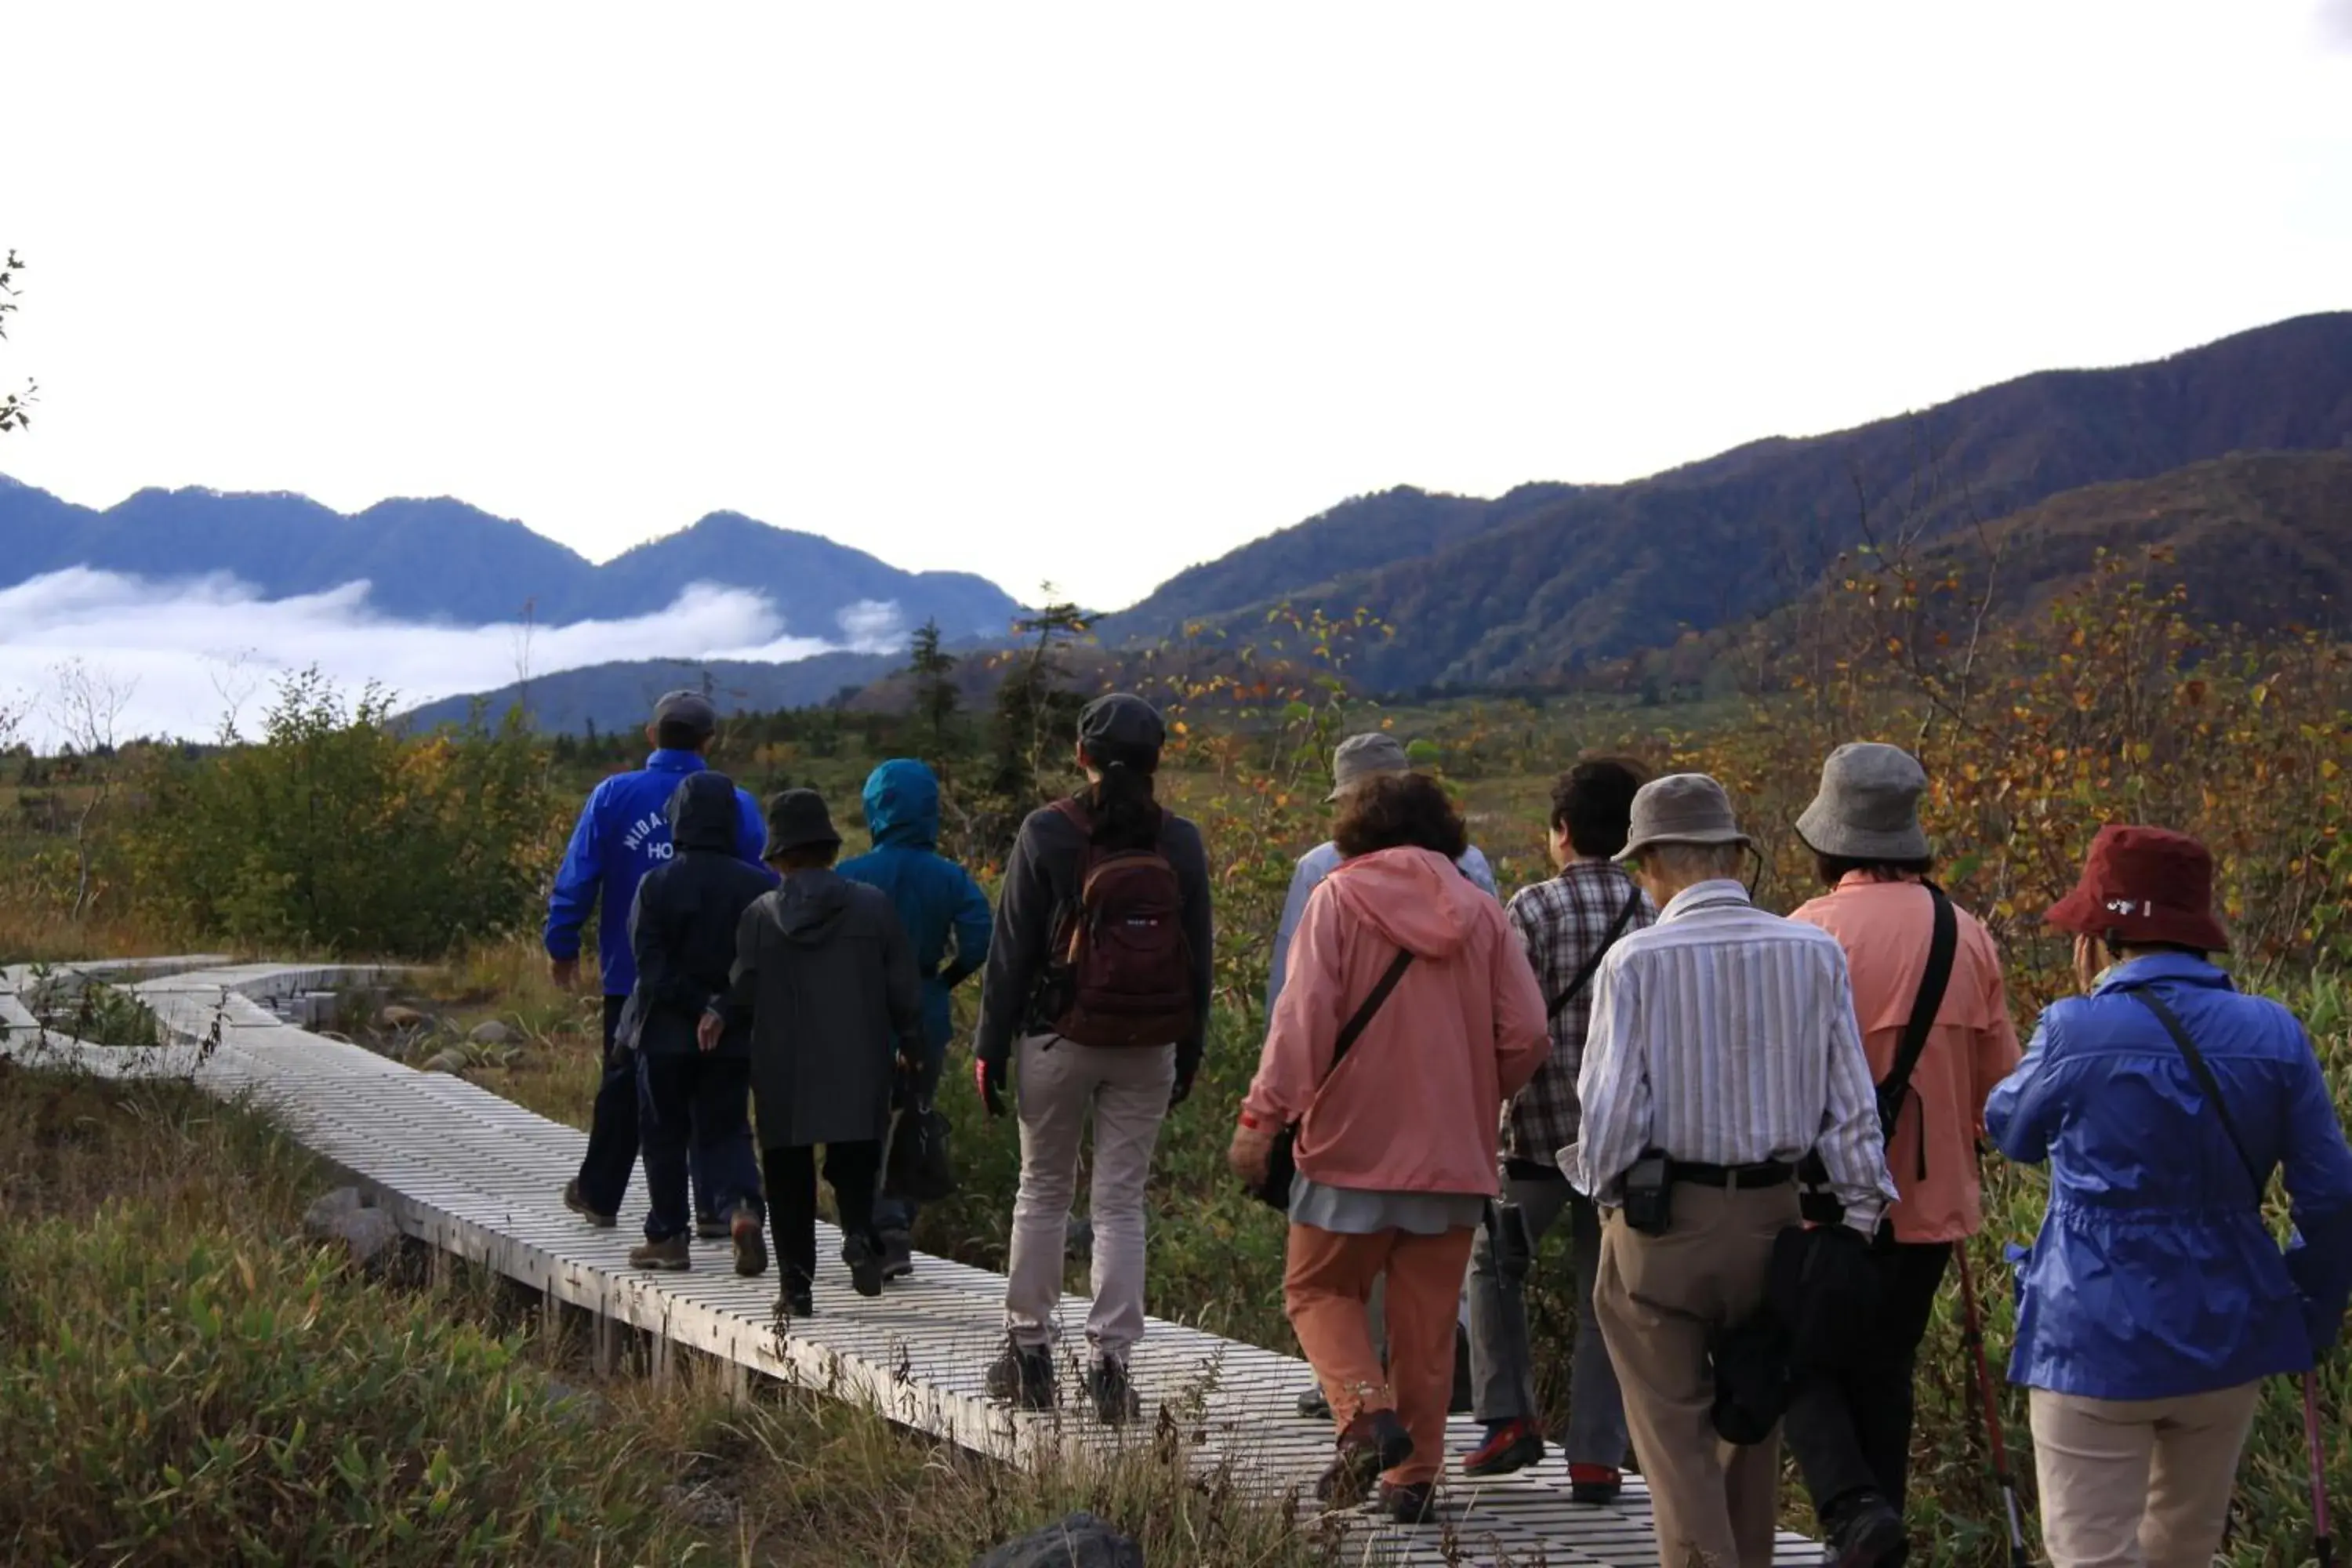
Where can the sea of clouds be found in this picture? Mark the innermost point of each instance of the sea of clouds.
(193, 653)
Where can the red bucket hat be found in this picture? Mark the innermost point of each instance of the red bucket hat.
(2145, 885)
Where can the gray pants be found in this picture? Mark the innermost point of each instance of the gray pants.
(1127, 1089)
(1502, 1376)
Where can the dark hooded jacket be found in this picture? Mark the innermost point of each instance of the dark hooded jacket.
(944, 911)
(682, 924)
(824, 978)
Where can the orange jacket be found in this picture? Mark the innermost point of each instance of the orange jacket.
(1417, 1104)
(1885, 928)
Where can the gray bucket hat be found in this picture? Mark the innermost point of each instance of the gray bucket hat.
(1868, 807)
(1362, 757)
(1681, 808)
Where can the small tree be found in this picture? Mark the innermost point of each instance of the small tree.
(935, 698)
(86, 707)
(1036, 717)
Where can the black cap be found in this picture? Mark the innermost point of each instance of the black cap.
(691, 709)
(1122, 722)
(797, 819)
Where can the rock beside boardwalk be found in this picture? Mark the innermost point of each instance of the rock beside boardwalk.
(490, 1032)
(368, 1235)
(1081, 1541)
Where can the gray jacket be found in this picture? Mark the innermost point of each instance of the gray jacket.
(825, 978)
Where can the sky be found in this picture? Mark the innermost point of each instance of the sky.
(1088, 293)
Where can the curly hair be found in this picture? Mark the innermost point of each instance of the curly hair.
(1399, 809)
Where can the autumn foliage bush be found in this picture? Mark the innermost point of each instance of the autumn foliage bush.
(335, 832)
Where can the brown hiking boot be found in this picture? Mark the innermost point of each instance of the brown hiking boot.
(674, 1254)
(579, 1205)
(1374, 1441)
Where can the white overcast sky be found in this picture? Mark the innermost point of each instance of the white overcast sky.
(1089, 292)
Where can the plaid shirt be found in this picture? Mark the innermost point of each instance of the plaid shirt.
(1560, 924)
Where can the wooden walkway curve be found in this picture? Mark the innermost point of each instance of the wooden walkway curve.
(480, 1177)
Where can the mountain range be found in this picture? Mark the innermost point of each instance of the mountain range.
(1531, 587)
(2237, 453)
(444, 561)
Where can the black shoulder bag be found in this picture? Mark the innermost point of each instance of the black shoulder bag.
(1282, 1160)
(1593, 964)
(2206, 1083)
(1822, 1206)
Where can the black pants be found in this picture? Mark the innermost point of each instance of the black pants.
(613, 1131)
(854, 1170)
(1850, 1428)
(694, 1107)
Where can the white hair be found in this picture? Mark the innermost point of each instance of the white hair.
(1689, 863)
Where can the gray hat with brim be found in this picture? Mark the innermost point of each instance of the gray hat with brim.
(1363, 757)
(1868, 807)
(1681, 808)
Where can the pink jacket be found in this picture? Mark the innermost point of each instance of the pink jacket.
(1416, 1105)
(1885, 928)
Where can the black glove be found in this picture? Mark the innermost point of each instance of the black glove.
(1183, 1089)
(989, 1076)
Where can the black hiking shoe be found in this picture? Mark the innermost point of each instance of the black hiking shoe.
(1868, 1534)
(579, 1205)
(798, 1300)
(897, 1254)
(1023, 1377)
(1312, 1406)
(750, 1245)
(1115, 1401)
(865, 1261)
(673, 1254)
(1415, 1504)
(1374, 1441)
(710, 1228)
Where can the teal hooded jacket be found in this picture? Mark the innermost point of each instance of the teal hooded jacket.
(944, 911)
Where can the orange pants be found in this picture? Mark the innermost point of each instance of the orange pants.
(1327, 1290)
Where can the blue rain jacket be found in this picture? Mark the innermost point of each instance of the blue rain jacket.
(2154, 1275)
(623, 833)
(938, 901)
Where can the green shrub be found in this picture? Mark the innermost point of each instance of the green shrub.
(168, 1394)
(334, 833)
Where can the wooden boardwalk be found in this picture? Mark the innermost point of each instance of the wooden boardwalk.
(480, 1177)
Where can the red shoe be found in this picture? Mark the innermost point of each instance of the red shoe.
(1509, 1446)
(1595, 1484)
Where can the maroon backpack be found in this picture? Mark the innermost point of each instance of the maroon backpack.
(1123, 968)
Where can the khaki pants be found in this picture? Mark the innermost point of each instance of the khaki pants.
(2141, 1483)
(1658, 1298)
(1127, 1089)
(1327, 1290)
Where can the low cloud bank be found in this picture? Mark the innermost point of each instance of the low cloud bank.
(193, 652)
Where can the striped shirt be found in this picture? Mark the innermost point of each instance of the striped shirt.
(1724, 1034)
(1562, 923)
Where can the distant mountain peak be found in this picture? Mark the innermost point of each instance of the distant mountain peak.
(442, 559)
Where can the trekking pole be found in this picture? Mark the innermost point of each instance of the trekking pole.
(2323, 1540)
(1974, 1333)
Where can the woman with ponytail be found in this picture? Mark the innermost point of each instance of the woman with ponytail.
(1098, 991)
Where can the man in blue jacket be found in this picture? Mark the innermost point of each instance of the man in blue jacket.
(2155, 1303)
(623, 831)
(947, 919)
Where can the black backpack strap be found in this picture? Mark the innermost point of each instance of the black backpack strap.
(1355, 1027)
(2206, 1082)
(1584, 976)
(1943, 945)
